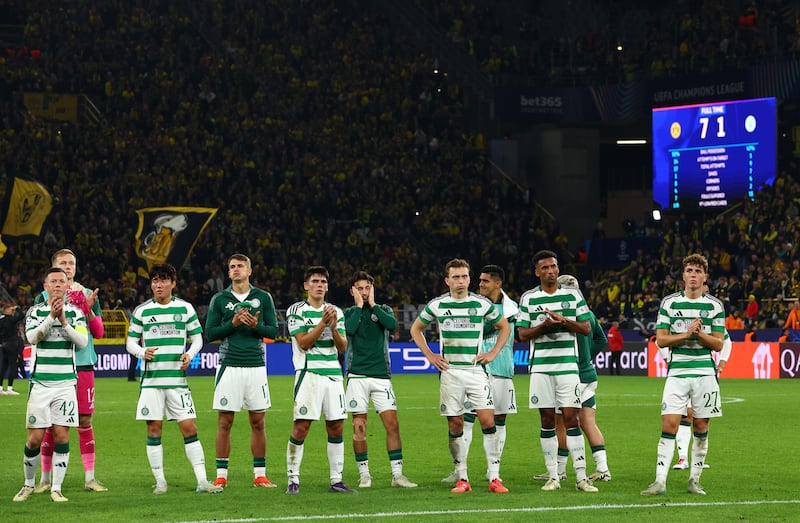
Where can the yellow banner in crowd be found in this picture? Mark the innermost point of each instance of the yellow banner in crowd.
(29, 205)
(52, 106)
(168, 234)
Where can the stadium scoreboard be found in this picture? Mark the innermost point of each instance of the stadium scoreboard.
(713, 155)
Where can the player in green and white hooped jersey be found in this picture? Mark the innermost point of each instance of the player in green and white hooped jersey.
(588, 347)
(464, 383)
(683, 438)
(157, 336)
(692, 324)
(84, 362)
(318, 336)
(241, 316)
(501, 370)
(56, 329)
(551, 317)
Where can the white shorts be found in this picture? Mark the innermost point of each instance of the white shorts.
(177, 404)
(316, 395)
(551, 391)
(588, 391)
(241, 388)
(701, 394)
(504, 395)
(362, 389)
(464, 389)
(49, 406)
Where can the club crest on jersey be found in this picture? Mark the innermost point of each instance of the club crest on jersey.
(704, 314)
(244, 305)
(565, 305)
(177, 317)
(374, 318)
(473, 311)
(679, 326)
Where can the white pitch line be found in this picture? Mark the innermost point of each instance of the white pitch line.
(500, 511)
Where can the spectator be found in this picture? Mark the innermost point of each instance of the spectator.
(792, 324)
(751, 312)
(615, 343)
(734, 321)
(751, 334)
(10, 345)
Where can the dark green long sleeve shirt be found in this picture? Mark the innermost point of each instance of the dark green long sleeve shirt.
(368, 330)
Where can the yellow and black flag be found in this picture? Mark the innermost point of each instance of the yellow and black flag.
(28, 205)
(168, 234)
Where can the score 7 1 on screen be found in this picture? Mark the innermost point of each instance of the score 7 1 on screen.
(713, 155)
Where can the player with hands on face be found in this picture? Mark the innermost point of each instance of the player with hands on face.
(368, 327)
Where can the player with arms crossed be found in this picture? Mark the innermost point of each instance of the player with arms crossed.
(157, 336)
(551, 317)
(464, 382)
(56, 329)
(318, 336)
(691, 324)
(369, 371)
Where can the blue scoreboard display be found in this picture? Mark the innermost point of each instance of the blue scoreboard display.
(712, 155)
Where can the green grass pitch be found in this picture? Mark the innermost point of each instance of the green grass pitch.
(754, 474)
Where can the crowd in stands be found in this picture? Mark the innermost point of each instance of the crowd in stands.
(753, 260)
(323, 137)
(612, 41)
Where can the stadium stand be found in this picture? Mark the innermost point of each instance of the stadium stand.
(324, 136)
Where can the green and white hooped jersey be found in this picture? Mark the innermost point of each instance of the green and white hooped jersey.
(461, 324)
(676, 313)
(87, 356)
(166, 327)
(556, 351)
(323, 357)
(53, 358)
